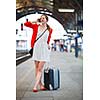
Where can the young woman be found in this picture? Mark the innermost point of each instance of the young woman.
(41, 48)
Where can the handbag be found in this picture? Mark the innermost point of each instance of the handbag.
(31, 50)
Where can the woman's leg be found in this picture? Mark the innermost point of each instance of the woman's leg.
(36, 67)
(36, 71)
(39, 74)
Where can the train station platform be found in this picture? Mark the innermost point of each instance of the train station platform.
(71, 79)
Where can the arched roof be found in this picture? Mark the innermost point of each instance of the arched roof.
(24, 7)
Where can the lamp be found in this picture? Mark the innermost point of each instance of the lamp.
(66, 10)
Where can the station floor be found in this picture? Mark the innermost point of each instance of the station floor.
(71, 78)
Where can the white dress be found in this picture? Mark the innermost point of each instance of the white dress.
(41, 51)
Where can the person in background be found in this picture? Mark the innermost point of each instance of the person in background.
(41, 52)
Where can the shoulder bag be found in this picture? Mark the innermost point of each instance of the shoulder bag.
(31, 50)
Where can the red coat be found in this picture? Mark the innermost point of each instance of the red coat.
(35, 30)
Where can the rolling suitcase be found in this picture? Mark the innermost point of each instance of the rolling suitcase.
(52, 79)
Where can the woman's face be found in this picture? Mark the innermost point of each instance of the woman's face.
(43, 19)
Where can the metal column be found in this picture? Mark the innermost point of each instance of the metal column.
(76, 38)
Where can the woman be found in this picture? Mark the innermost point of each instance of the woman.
(41, 48)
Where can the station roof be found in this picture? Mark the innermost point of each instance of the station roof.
(53, 6)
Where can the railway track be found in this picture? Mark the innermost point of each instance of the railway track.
(21, 57)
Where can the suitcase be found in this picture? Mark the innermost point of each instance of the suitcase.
(52, 78)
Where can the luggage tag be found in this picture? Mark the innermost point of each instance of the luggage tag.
(47, 70)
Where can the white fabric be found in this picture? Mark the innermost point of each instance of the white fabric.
(41, 51)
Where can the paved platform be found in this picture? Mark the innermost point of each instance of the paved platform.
(71, 79)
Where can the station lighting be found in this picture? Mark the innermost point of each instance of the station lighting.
(44, 9)
(51, 3)
(71, 31)
(80, 31)
(49, 13)
(66, 10)
(74, 31)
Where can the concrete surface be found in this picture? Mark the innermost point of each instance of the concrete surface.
(71, 79)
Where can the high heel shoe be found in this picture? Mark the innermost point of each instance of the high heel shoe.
(35, 90)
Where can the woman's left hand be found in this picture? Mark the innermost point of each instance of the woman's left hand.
(49, 47)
